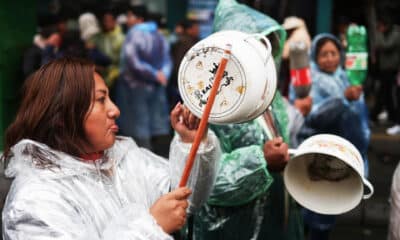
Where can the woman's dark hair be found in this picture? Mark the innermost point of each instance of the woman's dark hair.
(322, 42)
(56, 100)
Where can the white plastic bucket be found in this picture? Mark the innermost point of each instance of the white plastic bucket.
(249, 81)
(324, 196)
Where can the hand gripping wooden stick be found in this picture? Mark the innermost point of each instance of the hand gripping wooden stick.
(204, 118)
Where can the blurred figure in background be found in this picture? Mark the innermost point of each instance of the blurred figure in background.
(178, 31)
(89, 28)
(141, 91)
(33, 55)
(64, 42)
(341, 29)
(161, 22)
(387, 45)
(186, 40)
(109, 41)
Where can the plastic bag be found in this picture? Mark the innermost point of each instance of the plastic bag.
(242, 173)
(230, 15)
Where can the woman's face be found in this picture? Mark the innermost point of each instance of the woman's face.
(328, 58)
(99, 125)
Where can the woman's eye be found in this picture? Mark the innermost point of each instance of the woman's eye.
(101, 100)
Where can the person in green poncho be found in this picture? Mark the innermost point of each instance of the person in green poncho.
(249, 200)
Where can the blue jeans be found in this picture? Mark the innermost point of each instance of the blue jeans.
(144, 111)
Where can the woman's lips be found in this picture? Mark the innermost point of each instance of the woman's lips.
(114, 128)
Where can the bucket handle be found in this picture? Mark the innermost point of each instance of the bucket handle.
(267, 43)
(292, 152)
(370, 187)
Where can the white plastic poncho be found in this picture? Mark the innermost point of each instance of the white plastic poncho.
(394, 220)
(108, 198)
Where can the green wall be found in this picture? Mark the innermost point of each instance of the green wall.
(324, 16)
(17, 26)
(176, 11)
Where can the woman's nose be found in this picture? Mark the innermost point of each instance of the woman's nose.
(114, 111)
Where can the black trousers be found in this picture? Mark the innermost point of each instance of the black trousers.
(385, 97)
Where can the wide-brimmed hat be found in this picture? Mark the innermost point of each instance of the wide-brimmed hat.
(292, 22)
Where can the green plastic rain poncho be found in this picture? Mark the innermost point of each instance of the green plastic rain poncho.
(248, 201)
(229, 15)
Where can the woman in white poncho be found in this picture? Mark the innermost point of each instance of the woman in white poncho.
(75, 179)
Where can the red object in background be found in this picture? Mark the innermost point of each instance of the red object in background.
(300, 77)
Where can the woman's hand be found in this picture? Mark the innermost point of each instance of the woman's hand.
(184, 123)
(304, 105)
(169, 210)
(161, 78)
(276, 154)
(353, 92)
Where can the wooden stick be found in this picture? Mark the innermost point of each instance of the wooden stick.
(204, 118)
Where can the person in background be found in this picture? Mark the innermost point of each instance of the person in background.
(337, 108)
(341, 30)
(73, 46)
(161, 22)
(178, 30)
(74, 178)
(61, 24)
(109, 41)
(33, 56)
(186, 40)
(141, 91)
(64, 42)
(387, 45)
(89, 28)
